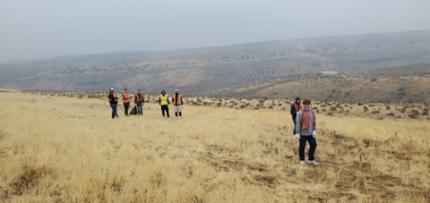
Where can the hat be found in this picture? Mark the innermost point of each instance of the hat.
(111, 89)
(298, 98)
(176, 90)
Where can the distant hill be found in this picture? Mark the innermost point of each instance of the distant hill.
(389, 67)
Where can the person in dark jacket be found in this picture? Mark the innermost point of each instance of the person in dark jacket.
(139, 100)
(296, 107)
(306, 126)
(113, 101)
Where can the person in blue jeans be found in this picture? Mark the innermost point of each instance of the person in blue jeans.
(139, 100)
(113, 101)
(306, 132)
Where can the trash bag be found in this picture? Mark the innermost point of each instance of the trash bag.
(133, 111)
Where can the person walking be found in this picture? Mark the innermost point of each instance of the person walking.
(139, 100)
(296, 107)
(306, 132)
(113, 101)
(177, 103)
(126, 101)
(164, 103)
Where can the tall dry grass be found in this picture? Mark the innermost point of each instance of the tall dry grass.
(59, 149)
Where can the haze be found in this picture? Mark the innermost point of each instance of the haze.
(46, 28)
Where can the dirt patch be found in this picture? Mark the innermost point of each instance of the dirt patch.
(257, 167)
(362, 166)
(223, 163)
(267, 180)
(338, 196)
(117, 185)
(370, 143)
(400, 155)
(348, 143)
(28, 179)
(3, 193)
(158, 180)
(220, 149)
(387, 180)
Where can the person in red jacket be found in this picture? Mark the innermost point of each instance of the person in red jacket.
(139, 100)
(296, 107)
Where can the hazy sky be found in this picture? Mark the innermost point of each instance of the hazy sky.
(43, 28)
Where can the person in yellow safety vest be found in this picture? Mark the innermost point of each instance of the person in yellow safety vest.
(164, 103)
(177, 103)
(126, 101)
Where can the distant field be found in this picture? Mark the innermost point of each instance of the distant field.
(68, 149)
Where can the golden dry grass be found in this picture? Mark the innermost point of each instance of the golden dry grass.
(60, 149)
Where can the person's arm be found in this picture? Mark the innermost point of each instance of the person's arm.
(182, 101)
(292, 109)
(314, 120)
(298, 122)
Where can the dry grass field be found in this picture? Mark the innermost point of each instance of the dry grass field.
(68, 149)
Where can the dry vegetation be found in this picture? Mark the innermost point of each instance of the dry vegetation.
(67, 149)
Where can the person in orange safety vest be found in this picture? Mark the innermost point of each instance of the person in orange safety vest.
(126, 101)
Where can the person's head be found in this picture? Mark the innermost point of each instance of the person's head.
(163, 92)
(298, 100)
(307, 103)
(125, 90)
(111, 90)
(176, 91)
(138, 90)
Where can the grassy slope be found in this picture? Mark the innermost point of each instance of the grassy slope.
(68, 149)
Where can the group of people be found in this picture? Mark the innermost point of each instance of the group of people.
(163, 100)
(302, 114)
(304, 121)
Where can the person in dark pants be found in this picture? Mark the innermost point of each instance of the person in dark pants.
(139, 100)
(296, 107)
(306, 132)
(164, 103)
(113, 101)
(126, 101)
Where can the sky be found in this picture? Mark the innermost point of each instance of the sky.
(32, 29)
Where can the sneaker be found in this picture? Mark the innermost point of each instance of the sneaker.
(313, 162)
(302, 162)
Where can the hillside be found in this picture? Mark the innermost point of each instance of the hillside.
(67, 149)
(366, 68)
